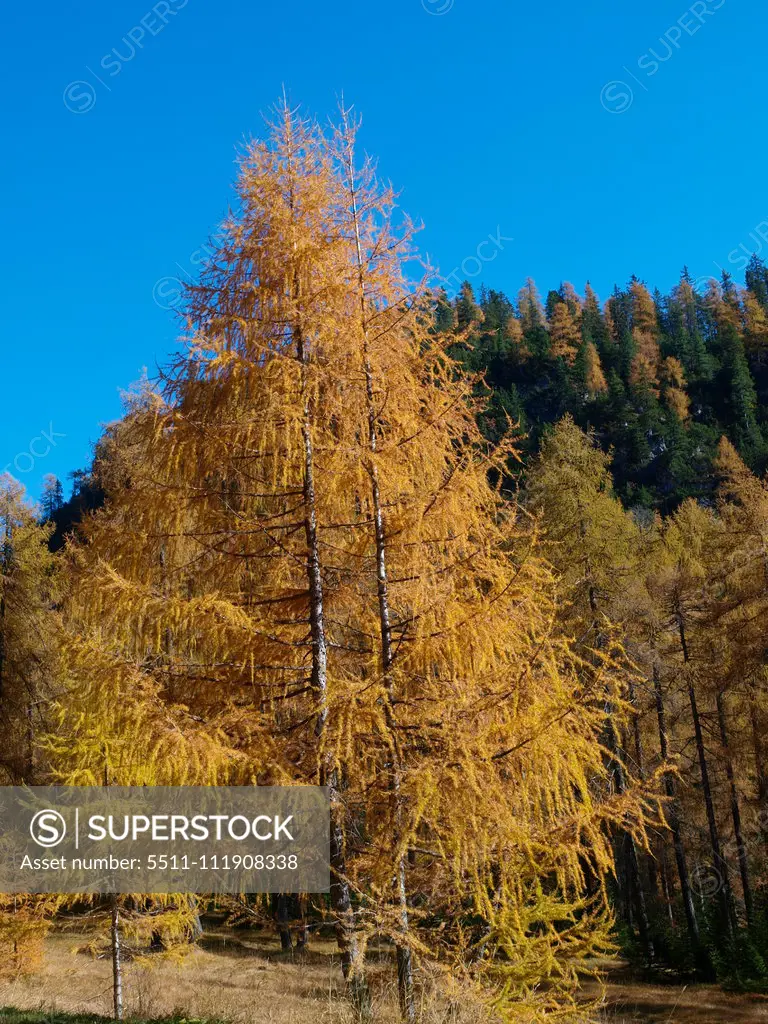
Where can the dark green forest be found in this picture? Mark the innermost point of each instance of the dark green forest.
(659, 378)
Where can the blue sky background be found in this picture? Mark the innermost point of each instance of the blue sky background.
(547, 122)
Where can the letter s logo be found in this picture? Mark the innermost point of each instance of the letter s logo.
(48, 828)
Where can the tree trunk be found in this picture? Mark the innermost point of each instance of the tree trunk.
(735, 810)
(281, 919)
(302, 935)
(341, 902)
(402, 949)
(653, 875)
(719, 863)
(634, 894)
(197, 924)
(632, 887)
(674, 821)
(666, 888)
(117, 965)
(29, 760)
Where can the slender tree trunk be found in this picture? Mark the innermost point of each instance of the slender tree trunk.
(302, 936)
(197, 924)
(340, 897)
(719, 863)
(666, 888)
(672, 815)
(402, 949)
(29, 761)
(632, 887)
(117, 964)
(281, 919)
(636, 881)
(634, 894)
(168, 644)
(403, 953)
(341, 902)
(653, 875)
(735, 809)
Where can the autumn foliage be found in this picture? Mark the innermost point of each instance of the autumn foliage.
(317, 562)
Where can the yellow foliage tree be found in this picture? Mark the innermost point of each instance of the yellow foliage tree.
(28, 591)
(645, 364)
(28, 671)
(564, 333)
(673, 381)
(594, 378)
(755, 326)
(307, 569)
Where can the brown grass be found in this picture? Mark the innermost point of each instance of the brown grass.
(670, 1004)
(245, 979)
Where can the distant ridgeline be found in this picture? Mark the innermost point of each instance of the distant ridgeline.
(659, 378)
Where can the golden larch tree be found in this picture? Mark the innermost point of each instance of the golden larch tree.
(304, 561)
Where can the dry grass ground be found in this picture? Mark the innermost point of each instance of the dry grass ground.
(244, 979)
(668, 1004)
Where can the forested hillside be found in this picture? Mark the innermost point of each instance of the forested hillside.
(659, 378)
(493, 572)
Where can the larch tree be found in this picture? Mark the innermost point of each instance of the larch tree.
(304, 561)
(593, 543)
(645, 364)
(564, 333)
(594, 378)
(28, 640)
(109, 722)
(755, 327)
(29, 588)
(740, 615)
(673, 382)
(688, 540)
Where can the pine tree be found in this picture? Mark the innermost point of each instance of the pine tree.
(533, 320)
(52, 497)
(756, 277)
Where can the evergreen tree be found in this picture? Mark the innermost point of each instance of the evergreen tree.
(52, 498)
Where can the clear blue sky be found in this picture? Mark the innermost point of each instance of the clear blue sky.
(490, 116)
